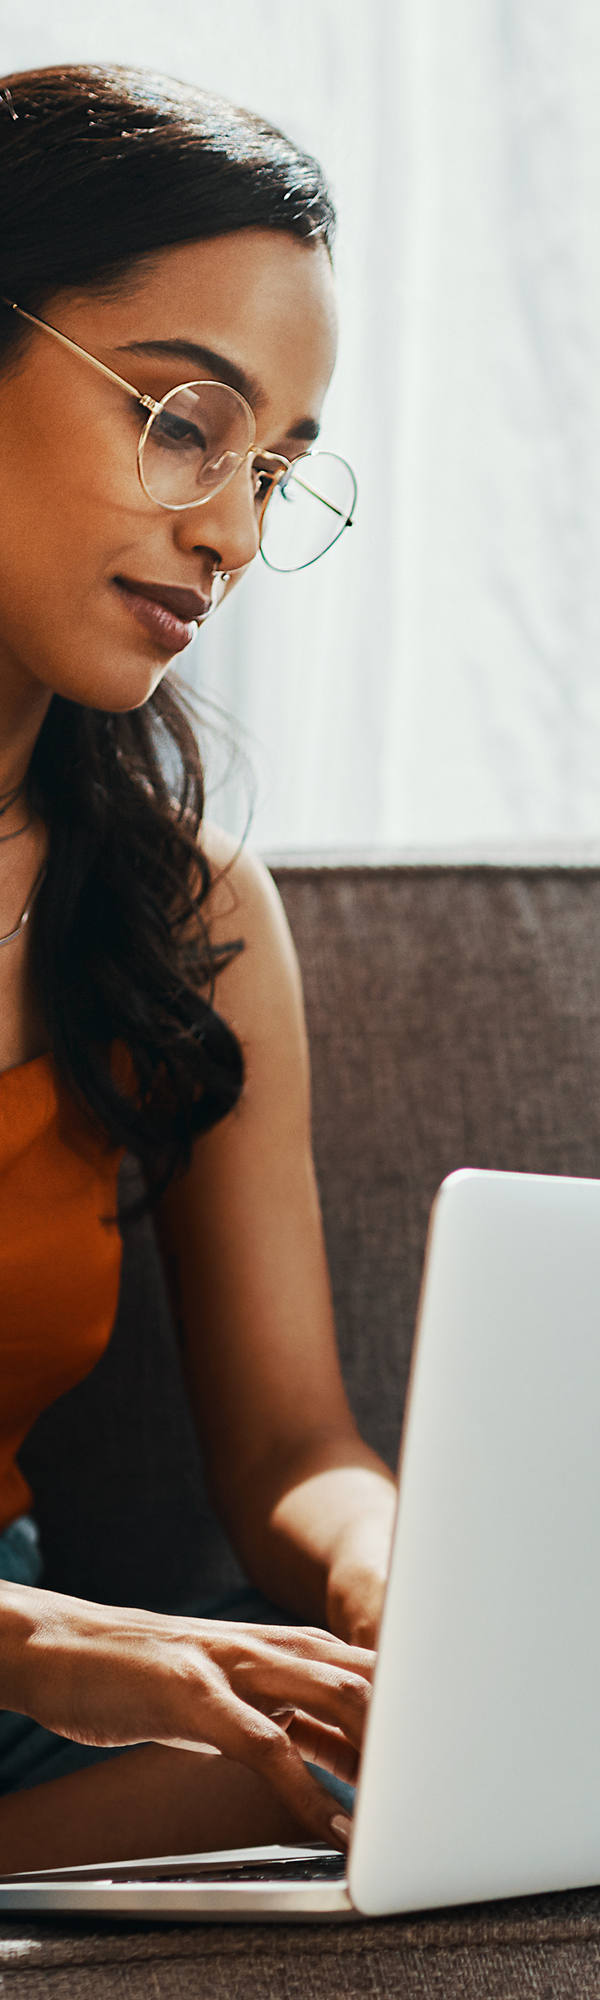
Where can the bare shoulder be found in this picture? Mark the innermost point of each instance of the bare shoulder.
(244, 902)
(239, 874)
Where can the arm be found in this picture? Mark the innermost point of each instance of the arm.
(306, 1503)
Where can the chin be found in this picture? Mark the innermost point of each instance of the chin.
(126, 685)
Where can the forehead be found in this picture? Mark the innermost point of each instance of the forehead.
(264, 299)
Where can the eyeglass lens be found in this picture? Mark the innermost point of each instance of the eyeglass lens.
(307, 510)
(195, 444)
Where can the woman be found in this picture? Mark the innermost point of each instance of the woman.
(150, 1002)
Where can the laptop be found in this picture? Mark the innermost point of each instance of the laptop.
(480, 1774)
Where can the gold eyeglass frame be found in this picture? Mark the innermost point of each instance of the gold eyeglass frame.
(149, 403)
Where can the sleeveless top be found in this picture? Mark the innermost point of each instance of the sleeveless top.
(59, 1264)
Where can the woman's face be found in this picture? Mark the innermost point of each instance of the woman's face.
(73, 513)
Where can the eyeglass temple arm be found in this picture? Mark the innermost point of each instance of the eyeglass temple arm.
(148, 402)
(324, 503)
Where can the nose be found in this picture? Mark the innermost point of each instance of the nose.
(227, 523)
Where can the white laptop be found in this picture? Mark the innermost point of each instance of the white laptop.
(480, 1776)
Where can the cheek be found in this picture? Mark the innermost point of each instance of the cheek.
(69, 497)
(94, 463)
(70, 479)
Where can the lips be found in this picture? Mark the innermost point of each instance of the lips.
(186, 604)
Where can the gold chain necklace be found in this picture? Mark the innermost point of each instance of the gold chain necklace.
(24, 918)
(8, 799)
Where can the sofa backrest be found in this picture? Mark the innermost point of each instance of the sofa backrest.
(454, 1019)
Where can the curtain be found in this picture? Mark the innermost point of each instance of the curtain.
(434, 681)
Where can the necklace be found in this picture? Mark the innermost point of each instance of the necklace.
(17, 831)
(24, 918)
(8, 799)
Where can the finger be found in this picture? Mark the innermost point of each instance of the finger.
(360, 1653)
(258, 1742)
(248, 1737)
(320, 1744)
(325, 1746)
(329, 1694)
(307, 1641)
(319, 1642)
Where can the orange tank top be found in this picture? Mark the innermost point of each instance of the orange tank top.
(59, 1265)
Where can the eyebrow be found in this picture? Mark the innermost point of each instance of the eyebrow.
(225, 370)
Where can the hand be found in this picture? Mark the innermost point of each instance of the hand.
(99, 1674)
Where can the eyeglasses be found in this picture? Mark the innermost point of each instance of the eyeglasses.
(195, 440)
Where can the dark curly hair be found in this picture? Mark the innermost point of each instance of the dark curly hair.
(100, 166)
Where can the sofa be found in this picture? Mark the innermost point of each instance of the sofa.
(454, 1019)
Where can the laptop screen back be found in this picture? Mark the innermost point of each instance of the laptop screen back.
(481, 1770)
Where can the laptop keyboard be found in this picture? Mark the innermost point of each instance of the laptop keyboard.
(319, 1868)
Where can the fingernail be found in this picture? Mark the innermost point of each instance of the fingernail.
(343, 1827)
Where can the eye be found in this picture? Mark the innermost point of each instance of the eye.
(265, 478)
(170, 429)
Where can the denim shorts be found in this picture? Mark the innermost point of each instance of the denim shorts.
(31, 1755)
